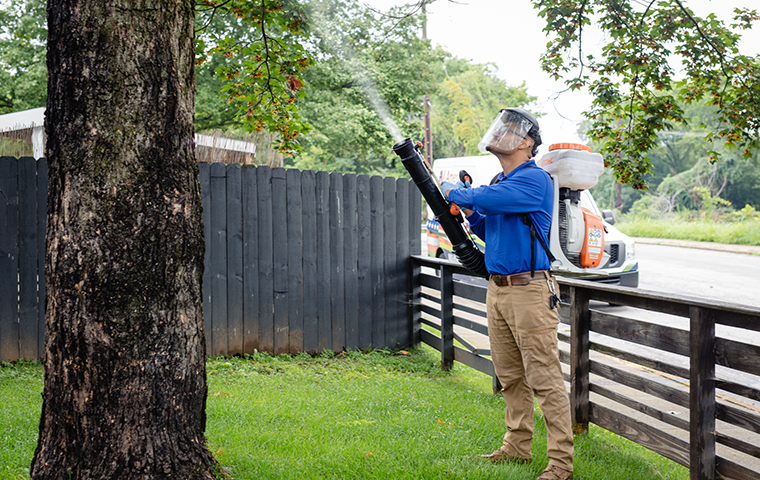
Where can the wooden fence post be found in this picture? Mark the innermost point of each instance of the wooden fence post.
(702, 394)
(579, 363)
(447, 317)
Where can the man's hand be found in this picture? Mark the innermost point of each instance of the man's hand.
(446, 187)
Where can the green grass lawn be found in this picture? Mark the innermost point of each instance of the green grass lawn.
(380, 415)
(737, 233)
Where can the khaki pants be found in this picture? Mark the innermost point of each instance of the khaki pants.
(522, 331)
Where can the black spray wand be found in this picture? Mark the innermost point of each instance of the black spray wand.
(464, 248)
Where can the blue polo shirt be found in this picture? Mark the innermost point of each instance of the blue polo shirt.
(497, 219)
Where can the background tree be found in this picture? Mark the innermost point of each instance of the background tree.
(637, 94)
(255, 50)
(682, 173)
(369, 75)
(235, 90)
(465, 104)
(23, 74)
(125, 384)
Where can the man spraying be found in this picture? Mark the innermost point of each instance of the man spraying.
(513, 215)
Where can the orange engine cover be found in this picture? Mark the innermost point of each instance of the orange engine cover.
(593, 243)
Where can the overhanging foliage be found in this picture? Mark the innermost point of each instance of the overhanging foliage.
(635, 82)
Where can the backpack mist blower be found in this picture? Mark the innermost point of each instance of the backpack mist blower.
(446, 213)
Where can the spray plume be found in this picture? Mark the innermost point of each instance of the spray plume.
(324, 29)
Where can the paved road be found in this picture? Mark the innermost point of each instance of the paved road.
(709, 274)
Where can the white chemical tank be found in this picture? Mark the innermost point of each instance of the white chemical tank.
(573, 165)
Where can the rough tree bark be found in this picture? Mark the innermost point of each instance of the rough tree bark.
(125, 381)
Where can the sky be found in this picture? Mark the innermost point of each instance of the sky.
(509, 34)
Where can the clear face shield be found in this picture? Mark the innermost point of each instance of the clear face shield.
(505, 133)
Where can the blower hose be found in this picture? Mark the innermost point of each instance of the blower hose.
(464, 248)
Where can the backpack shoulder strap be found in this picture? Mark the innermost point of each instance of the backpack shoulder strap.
(533, 236)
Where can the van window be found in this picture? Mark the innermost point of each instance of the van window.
(587, 202)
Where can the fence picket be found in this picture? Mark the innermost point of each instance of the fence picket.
(337, 293)
(280, 260)
(234, 261)
(266, 259)
(310, 312)
(218, 259)
(390, 262)
(27, 258)
(447, 318)
(42, 184)
(295, 263)
(9, 328)
(250, 213)
(323, 261)
(350, 242)
(204, 178)
(363, 261)
(376, 265)
(400, 320)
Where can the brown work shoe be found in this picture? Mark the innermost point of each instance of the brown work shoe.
(554, 472)
(501, 455)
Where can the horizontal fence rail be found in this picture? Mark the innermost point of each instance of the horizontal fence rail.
(669, 383)
(295, 260)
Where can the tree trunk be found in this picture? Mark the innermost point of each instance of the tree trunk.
(125, 379)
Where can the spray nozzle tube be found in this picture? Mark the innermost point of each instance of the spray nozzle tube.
(464, 248)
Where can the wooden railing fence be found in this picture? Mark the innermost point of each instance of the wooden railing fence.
(295, 260)
(642, 379)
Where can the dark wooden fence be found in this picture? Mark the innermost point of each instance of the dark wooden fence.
(23, 186)
(671, 400)
(295, 260)
(303, 261)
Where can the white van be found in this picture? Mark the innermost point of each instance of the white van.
(619, 263)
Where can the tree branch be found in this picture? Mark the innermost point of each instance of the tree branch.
(714, 47)
(213, 14)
